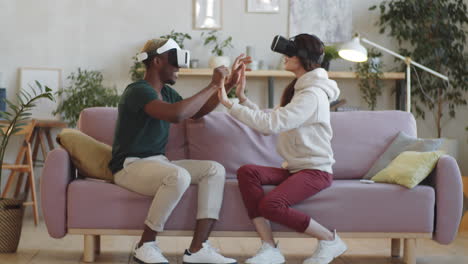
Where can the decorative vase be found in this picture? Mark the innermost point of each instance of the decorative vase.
(374, 64)
(217, 61)
(11, 221)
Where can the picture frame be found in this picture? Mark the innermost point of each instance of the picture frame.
(262, 6)
(307, 16)
(50, 77)
(207, 14)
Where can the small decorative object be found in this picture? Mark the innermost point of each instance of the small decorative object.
(137, 71)
(254, 65)
(207, 14)
(194, 63)
(85, 90)
(51, 78)
(370, 78)
(212, 38)
(2, 94)
(263, 6)
(2, 99)
(11, 210)
(330, 20)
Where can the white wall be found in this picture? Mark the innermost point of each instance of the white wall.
(105, 34)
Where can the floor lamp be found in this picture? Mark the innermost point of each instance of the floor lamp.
(354, 51)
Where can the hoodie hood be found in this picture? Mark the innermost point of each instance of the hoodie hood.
(318, 79)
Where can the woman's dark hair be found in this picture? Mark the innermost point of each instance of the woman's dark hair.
(310, 49)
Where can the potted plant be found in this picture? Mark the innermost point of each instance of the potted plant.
(137, 71)
(212, 38)
(11, 210)
(85, 90)
(331, 53)
(436, 38)
(370, 74)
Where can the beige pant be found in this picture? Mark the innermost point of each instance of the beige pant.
(168, 180)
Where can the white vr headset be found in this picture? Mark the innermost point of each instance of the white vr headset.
(177, 57)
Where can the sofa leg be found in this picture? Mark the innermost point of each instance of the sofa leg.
(410, 251)
(89, 253)
(396, 247)
(97, 245)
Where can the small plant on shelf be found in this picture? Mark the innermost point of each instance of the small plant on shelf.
(370, 78)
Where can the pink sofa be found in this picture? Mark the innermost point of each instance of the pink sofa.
(429, 211)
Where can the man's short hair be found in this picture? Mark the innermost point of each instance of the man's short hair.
(151, 46)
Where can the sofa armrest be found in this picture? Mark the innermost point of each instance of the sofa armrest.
(448, 187)
(56, 176)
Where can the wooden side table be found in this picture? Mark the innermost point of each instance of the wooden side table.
(41, 136)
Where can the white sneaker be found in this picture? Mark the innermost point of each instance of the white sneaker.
(327, 250)
(207, 255)
(149, 253)
(267, 255)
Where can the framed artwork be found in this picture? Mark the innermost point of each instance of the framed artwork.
(330, 20)
(263, 6)
(47, 77)
(207, 14)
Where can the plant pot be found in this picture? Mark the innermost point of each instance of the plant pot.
(217, 61)
(374, 64)
(11, 221)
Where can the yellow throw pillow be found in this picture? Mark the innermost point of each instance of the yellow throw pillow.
(89, 156)
(409, 168)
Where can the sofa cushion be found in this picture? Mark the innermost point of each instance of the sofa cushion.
(409, 168)
(401, 143)
(360, 137)
(99, 123)
(220, 137)
(348, 206)
(89, 156)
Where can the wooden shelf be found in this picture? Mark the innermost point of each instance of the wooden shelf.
(286, 74)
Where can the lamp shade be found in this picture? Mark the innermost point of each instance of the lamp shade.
(353, 51)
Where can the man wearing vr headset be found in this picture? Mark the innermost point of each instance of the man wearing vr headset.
(146, 109)
(303, 123)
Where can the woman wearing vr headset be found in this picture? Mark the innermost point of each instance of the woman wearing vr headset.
(303, 123)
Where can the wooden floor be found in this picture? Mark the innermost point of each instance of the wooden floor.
(36, 247)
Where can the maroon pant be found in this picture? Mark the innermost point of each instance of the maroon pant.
(291, 189)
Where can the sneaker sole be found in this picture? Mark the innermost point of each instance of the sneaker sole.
(270, 262)
(142, 262)
(208, 263)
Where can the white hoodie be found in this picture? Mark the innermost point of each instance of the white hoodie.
(305, 135)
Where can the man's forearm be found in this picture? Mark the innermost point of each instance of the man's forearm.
(190, 106)
(210, 105)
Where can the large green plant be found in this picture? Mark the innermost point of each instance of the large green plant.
(18, 115)
(85, 90)
(370, 78)
(433, 33)
(137, 71)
